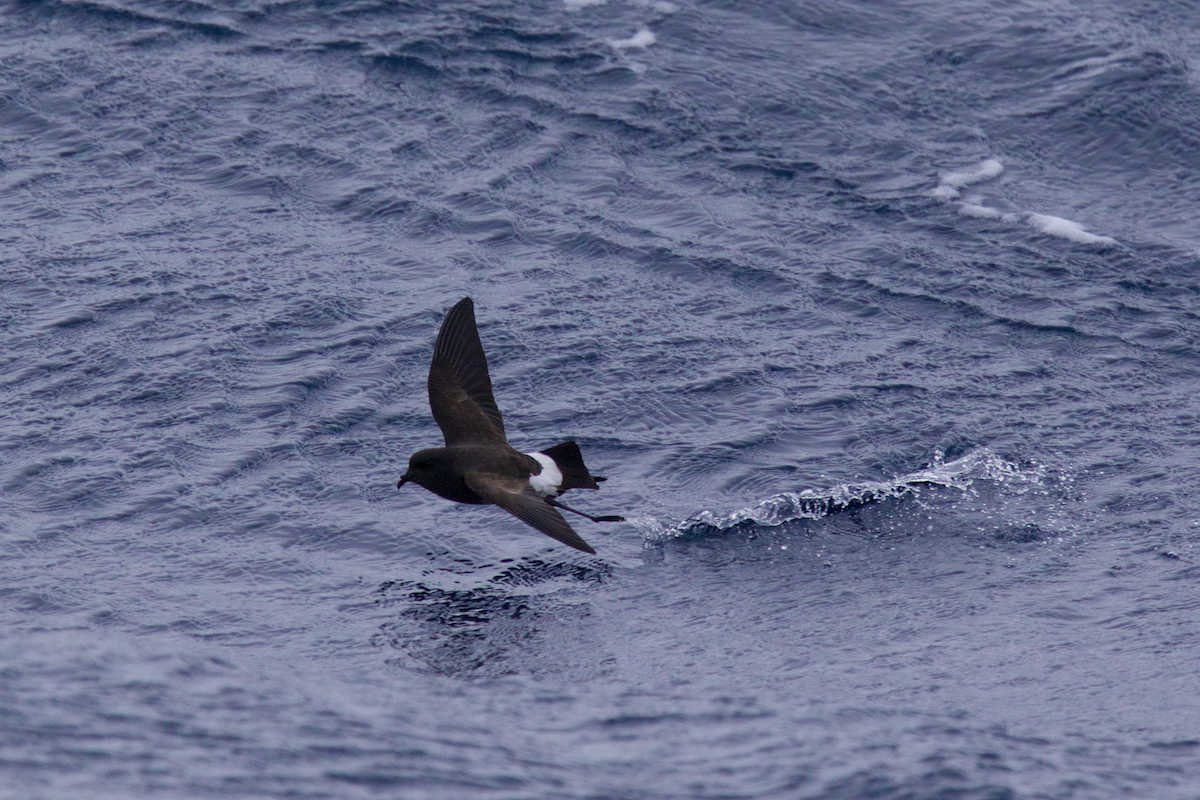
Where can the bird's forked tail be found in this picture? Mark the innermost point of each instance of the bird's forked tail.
(569, 461)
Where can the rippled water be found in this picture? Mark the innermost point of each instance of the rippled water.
(879, 317)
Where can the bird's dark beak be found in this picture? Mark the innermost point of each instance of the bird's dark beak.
(403, 480)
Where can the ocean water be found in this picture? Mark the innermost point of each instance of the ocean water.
(880, 318)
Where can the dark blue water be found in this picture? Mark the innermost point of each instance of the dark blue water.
(880, 317)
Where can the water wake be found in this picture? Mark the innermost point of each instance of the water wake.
(961, 473)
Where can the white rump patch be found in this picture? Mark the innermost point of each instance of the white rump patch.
(547, 481)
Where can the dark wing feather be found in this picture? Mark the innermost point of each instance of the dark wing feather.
(460, 390)
(518, 498)
(458, 415)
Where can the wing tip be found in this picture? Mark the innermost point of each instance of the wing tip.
(525, 504)
(458, 314)
(572, 540)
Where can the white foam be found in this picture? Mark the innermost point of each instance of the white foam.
(641, 39)
(952, 182)
(547, 481)
(970, 209)
(809, 504)
(575, 5)
(1057, 226)
(950, 187)
(983, 212)
(661, 6)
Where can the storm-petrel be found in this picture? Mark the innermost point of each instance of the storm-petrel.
(478, 465)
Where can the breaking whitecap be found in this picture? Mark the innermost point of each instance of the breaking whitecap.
(950, 187)
(1067, 229)
(780, 509)
(639, 41)
(951, 183)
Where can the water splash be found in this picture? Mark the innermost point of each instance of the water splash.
(961, 473)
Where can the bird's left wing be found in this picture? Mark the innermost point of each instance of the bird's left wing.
(518, 498)
(460, 389)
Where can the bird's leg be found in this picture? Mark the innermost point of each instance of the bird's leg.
(606, 518)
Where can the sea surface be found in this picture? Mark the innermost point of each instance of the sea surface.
(881, 317)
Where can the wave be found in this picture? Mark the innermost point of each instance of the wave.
(639, 41)
(1067, 229)
(951, 184)
(779, 509)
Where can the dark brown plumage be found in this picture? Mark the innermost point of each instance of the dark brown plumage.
(478, 465)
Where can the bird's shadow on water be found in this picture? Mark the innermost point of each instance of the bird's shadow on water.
(501, 625)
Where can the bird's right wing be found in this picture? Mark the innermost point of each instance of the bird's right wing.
(460, 389)
(518, 498)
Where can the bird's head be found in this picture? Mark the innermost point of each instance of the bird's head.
(423, 465)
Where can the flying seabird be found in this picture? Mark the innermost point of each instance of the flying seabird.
(478, 465)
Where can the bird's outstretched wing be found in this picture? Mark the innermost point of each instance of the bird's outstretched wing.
(518, 498)
(460, 390)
